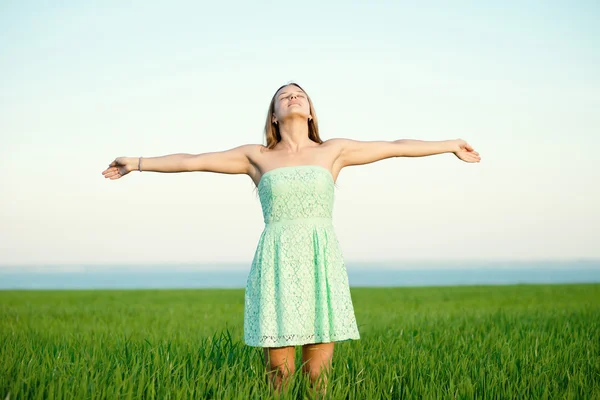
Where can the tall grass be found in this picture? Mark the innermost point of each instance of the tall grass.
(449, 342)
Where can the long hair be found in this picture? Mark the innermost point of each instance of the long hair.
(272, 134)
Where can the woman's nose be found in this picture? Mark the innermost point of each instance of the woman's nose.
(292, 96)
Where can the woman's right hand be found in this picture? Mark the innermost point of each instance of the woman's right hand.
(120, 167)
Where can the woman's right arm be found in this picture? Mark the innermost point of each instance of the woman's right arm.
(233, 161)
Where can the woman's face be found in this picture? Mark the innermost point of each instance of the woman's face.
(291, 102)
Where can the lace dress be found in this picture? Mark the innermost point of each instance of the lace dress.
(297, 290)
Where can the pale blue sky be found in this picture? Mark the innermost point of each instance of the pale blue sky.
(83, 83)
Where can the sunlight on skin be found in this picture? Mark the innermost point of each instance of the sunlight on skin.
(316, 364)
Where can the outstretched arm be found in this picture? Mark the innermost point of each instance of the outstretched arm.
(233, 161)
(354, 152)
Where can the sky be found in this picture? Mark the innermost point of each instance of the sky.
(85, 82)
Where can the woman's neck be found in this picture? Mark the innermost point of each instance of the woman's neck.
(294, 135)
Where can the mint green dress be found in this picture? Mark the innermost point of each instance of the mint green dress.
(297, 290)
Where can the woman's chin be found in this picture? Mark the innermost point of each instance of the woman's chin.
(296, 114)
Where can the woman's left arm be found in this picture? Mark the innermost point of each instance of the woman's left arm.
(354, 152)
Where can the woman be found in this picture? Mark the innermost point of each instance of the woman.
(297, 291)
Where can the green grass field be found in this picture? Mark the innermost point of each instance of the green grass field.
(538, 341)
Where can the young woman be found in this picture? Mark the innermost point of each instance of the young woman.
(297, 290)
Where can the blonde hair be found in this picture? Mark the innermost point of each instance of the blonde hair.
(272, 134)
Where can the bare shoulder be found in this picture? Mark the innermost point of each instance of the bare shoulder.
(337, 142)
(253, 151)
(250, 149)
(336, 145)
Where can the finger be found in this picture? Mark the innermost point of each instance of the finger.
(112, 173)
(467, 156)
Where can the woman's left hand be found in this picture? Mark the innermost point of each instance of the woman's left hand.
(465, 152)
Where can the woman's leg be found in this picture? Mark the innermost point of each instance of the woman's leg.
(316, 361)
(280, 365)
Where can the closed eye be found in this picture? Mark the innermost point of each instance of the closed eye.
(298, 94)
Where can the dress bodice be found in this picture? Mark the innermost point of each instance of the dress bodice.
(296, 193)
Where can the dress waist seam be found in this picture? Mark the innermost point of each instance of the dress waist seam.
(311, 220)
